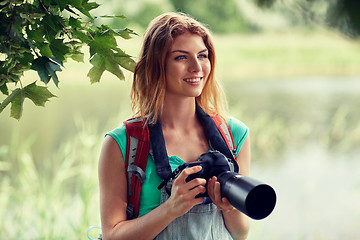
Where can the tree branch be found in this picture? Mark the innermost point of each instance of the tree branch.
(43, 6)
(11, 23)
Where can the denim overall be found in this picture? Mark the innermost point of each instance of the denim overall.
(203, 222)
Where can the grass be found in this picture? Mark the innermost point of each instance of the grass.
(274, 55)
(56, 200)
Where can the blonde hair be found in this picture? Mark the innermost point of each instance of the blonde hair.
(149, 85)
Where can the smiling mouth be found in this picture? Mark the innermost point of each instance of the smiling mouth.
(193, 80)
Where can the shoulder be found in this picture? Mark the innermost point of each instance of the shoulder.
(132, 126)
(237, 126)
(239, 131)
(119, 135)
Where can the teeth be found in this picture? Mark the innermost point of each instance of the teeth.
(192, 80)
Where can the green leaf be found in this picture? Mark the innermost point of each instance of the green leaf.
(52, 68)
(36, 33)
(98, 68)
(17, 104)
(125, 60)
(4, 89)
(114, 68)
(111, 16)
(83, 7)
(78, 56)
(59, 49)
(102, 44)
(82, 35)
(74, 23)
(45, 50)
(125, 33)
(53, 25)
(90, 5)
(105, 41)
(104, 62)
(46, 69)
(9, 99)
(39, 95)
(62, 4)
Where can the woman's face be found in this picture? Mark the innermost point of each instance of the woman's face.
(187, 66)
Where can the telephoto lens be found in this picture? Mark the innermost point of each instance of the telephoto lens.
(250, 196)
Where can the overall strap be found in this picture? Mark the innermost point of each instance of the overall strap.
(137, 150)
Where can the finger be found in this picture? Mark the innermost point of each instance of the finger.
(227, 207)
(217, 193)
(210, 187)
(196, 191)
(196, 182)
(214, 190)
(188, 171)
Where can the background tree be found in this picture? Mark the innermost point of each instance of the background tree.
(41, 35)
(340, 14)
(220, 16)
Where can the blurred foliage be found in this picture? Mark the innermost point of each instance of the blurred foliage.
(220, 16)
(52, 199)
(340, 14)
(345, 15)
(147, 12)
(41, 35)
(265, 3)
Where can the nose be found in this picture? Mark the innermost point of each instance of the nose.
(194, 65)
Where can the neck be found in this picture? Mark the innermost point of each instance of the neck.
(179, 114)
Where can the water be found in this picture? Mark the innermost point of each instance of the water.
(313, 170)
(318, 196)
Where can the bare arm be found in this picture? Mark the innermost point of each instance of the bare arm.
(113, 199)
(236, 222)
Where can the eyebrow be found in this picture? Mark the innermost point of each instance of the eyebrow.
(186, 52)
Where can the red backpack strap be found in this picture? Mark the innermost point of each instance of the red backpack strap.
(137, 150)
(225, 132)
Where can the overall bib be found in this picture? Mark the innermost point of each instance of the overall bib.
(203, 222)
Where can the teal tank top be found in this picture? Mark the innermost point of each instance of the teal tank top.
(150, 196)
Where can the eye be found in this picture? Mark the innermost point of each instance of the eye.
(203, 56)
(180, 57)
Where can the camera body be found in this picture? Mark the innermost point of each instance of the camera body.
(213, 163)
(250, 196)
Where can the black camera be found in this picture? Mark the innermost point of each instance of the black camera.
(252, 197)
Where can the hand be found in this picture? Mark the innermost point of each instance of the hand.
(183, 194)
(213, 189)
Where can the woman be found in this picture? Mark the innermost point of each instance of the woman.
(175, 74)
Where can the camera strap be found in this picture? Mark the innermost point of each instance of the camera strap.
(217, 141)
(172, 175)
(159, 153)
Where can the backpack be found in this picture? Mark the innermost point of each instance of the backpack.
(138, 148)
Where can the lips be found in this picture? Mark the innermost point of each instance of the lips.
(193, 79)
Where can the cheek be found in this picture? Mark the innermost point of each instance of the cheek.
(206, 68)
(172, 70)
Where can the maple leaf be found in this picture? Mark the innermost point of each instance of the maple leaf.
(37, 94)
(46, 69)
(98, 68)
